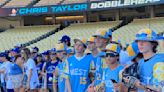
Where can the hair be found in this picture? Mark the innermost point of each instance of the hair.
(48, 57)
(7, 57)
(110, 38)
(155, 45)
(118, 60)
(68, 43)
(139, 56)
(16, 57)
(27, 53)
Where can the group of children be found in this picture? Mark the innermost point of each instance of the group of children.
(96, 64)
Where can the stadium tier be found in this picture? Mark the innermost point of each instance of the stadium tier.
(88, 29)
(18, 3)
(74, 1)
(24, 34)
(128, 32)
(48, 2)
(20, 35)
(75, 30)
(2, 2)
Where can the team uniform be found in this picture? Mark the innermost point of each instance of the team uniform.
(100, 66)
(79, 69)
(50, 67)
(39, 68)
(61, 78)
(109, 75)
(148, 76)
(150, 70)
(94, 58)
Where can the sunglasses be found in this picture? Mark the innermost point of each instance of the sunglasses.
(112, 54)
(34, 52)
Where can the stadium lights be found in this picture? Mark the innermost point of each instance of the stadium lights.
(48, 18)
(69, 17)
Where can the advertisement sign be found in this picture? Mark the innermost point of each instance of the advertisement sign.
(123, 3)
(80, 7)
(43, 10)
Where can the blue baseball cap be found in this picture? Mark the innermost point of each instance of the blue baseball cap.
(39, 55)
(102, 33)
(160, 37)
(61, 47)
(65, 38)
(132, 50)
(113, 47)
(3, 54)
(46, 53)
(53, 50)
(16, 50)
(109, 32)
(35, 49)
(146, 35)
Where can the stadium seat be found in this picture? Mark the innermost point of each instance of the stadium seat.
(18, 3)
(128, 32)
(2, 2)
(96, 0)
(74, 1)
(48, 2)
(21, 35)
(75, 30)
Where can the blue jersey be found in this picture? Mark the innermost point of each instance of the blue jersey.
(100, 66)
(15, 69)
(146, 69)
(61, 76)
(94, 58)
(50, 67)
(79, 72)
(39, 67)
(109, 75)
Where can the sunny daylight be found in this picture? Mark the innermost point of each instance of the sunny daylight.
(81, 45)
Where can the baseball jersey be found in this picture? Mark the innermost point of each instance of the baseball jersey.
(78, 73)
(94, 58)
(109, 74)
(146, 69)
(61, 76)
(39, 68)
(50, 67)
(100, 66)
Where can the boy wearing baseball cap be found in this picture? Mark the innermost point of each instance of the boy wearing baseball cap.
(147, 44)
(60, 80)
(80, 66)
(110, 80)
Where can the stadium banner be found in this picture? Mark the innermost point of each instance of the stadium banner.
(54, 9)
(77, 7)
(123, 3)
